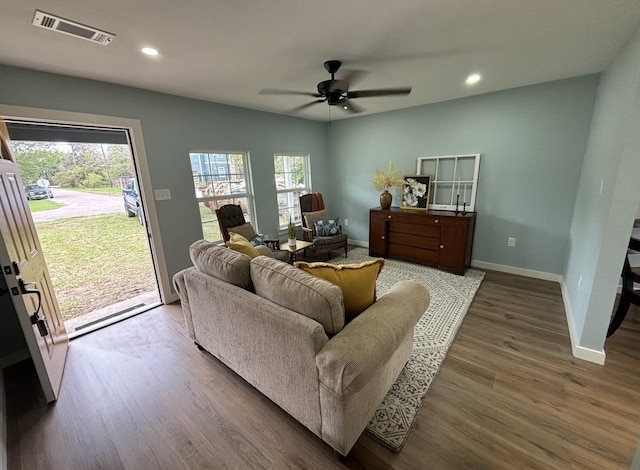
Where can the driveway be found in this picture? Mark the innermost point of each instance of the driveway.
(79, 204)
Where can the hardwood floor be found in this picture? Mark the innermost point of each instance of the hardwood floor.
(139, 395)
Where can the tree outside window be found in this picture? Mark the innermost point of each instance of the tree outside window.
(292, 179)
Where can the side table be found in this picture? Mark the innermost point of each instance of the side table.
(299, 246)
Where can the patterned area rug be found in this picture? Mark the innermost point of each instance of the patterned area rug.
(451, 296)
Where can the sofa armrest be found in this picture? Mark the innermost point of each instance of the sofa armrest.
(353, 356)
(181, 290)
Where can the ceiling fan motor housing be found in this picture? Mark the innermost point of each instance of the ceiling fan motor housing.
(333, 90)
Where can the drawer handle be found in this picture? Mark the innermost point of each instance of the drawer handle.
(441, 247)
(382, 237)
(436, 221)
(388, 217)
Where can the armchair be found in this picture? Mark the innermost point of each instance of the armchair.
(313, 210)
(231, 219)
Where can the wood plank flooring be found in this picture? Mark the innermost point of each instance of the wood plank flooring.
(139, 395)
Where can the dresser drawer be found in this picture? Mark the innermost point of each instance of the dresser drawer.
(415, 240)
(418, 218)
(417, 229)
(410, 253)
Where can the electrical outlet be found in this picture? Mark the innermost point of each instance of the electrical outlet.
(579, 281)
(346, 222)
(511, 241)
(162, 194)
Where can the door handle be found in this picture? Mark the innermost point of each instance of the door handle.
(35, 318)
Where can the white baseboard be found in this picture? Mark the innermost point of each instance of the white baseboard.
(358, 243)
(580, 352)
(14, 358)
(515, 270)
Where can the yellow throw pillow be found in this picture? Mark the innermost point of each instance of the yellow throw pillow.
(357, 281)
(238, 243)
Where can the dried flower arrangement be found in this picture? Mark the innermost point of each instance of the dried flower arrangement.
(383, 181)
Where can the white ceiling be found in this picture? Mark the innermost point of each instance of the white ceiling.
(228, 50)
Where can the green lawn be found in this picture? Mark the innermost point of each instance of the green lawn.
(114, 191)
(43, 205)
(96, 261)
(210, 227)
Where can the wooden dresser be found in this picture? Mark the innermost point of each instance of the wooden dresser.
(434, 238)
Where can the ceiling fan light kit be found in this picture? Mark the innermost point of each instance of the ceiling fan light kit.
(335, 92)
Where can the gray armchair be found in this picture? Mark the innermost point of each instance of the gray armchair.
(231, 219)
(313, 210)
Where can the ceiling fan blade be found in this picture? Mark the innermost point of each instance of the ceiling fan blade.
(350, 107)
(273, 91)
(381, 92)
(304, 106)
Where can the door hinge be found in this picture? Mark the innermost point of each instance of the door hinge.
(16, 268)
(7, 269)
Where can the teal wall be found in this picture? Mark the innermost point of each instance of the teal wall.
(602, 223)
(172, 126)
(531, 140)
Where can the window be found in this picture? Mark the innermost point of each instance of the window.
(293, 179)
(220, 178)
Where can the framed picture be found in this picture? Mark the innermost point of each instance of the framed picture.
(415, 192)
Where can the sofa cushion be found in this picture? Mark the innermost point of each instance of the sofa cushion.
(246, 230)
(222, 263)
(239, 243)
(296, 290)
(357, 281)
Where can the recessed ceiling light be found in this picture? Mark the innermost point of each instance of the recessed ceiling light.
(149, 51)
(473, 79)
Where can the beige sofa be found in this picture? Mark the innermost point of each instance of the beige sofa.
(283, 331)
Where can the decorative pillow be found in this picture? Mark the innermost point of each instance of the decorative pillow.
(311, 217)
(246, 230)
(357, 281)
(222, 263)
(327, 228)
(296, 290)
(257, 240)
(239, 243)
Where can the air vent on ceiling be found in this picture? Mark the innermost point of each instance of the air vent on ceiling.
(55, 23)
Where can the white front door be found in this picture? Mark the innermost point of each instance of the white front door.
(27, 279)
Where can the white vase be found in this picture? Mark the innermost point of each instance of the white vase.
(292, 242)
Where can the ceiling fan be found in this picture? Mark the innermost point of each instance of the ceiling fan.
(336, 92)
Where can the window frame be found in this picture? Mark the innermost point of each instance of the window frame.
(248, 179)
(451, 186)
(297, 219)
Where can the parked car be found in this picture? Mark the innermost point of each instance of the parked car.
(131, 196)
(38, 192)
